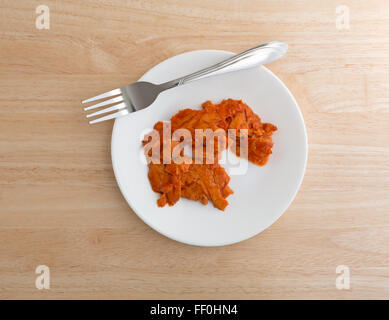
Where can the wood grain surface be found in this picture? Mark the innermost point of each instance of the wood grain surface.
(59, 202)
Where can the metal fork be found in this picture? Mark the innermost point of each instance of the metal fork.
(140, 95)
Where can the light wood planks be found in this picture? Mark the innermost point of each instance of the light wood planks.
(59, 203)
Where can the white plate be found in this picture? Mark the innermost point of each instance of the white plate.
(260, 196)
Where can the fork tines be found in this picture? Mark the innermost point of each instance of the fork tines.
(117, 103)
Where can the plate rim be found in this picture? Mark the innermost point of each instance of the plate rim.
(194, 243)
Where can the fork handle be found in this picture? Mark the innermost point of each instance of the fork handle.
(258, 55)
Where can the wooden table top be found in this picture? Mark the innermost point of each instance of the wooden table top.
(59, 202)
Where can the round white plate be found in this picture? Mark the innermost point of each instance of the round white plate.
(260, 196)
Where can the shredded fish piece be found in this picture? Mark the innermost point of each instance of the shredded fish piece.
(207, 182)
